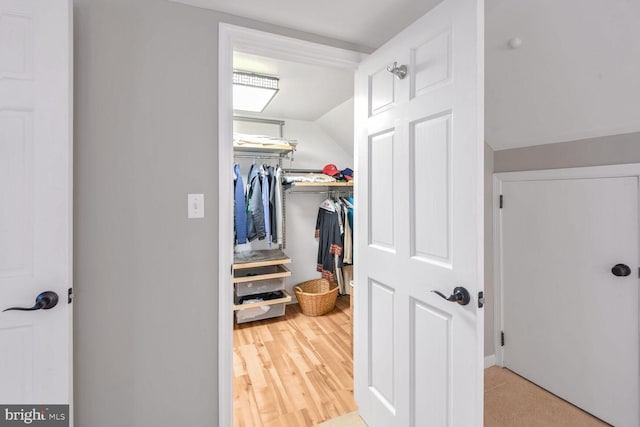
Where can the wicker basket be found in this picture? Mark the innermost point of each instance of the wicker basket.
(316, 297)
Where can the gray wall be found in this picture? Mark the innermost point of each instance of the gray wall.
(608, 150)
(145, 326)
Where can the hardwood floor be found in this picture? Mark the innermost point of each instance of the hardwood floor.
(298, 371)
(294, 370)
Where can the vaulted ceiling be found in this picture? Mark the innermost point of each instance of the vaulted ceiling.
(306, 91)
(362, 22)
(574, 75)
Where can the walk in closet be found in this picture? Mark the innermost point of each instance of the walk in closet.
(305, 129)
(306, 126)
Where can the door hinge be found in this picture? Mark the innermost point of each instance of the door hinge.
(501, 201)
(70, 296)
(480, 299)
(502, 339)
(231, 270)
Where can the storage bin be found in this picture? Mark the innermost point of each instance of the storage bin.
(259, 286)
(274, 310)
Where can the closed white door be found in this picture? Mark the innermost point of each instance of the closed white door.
(35, 199)
(570, 324)
(419, 145)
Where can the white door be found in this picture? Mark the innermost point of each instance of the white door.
(35, 199)
(418, 358)
(570, 324)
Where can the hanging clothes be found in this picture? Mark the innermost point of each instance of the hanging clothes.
(240, 207)
(348, 230)
(265, 202)
(350, 204)
(271, 171)
(255, 205)
(279, 206)
(330, 244)
(348, 243)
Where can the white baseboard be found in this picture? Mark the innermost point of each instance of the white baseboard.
(489, 361)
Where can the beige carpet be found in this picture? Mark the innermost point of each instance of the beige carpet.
(511, 401)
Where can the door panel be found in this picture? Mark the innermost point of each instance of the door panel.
(430, 325)
(430, 189)
(16, 41)
(381, 323)
(432, 63)
(35, 199)
(419, 145)
(16, 188)
(17, 352)
(382, 91)
(382, 194)
(570, 325)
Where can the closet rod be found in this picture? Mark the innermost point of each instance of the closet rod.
(341, 192)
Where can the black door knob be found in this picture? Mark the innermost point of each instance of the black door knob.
(621, 270)
(44, 301)
(459, 295)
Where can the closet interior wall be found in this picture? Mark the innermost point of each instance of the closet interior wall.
(315, 149)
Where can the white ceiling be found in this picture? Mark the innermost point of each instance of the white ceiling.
(575, 75)
(363, 22)
(306, 91)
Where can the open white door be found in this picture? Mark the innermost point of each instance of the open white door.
(419, 144)
(35, 200)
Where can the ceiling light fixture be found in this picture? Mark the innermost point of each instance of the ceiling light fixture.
(253, 92)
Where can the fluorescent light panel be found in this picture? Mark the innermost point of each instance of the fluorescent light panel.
(253, 92)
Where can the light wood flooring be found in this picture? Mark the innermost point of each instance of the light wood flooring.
(298, 371)
(294, 370)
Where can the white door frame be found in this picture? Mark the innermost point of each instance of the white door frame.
(610, 171)
(232, 37)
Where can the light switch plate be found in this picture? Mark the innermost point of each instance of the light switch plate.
(195, 206)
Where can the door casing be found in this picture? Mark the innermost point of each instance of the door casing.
(232, 37)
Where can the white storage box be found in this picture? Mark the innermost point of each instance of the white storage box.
(258, 313)
(259, 286)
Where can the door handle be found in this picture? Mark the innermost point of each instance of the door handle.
(621, 270)
(44, 301)
(459, 295)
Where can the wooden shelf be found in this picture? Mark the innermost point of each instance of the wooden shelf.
(278, 259)
(277, 271)
(275, 149)
(266, 263)
(285, 299)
